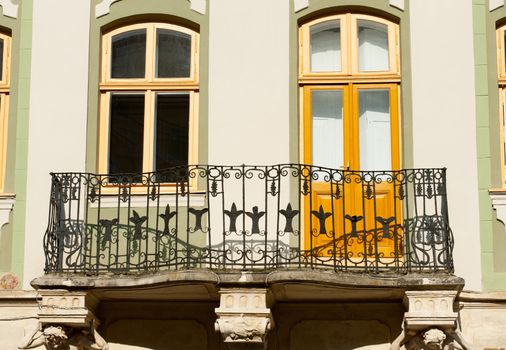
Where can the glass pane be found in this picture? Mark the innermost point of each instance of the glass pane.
(1, 58)
(327, 122)
(128, 54)
(173, 54)
(372, 46)
(326, 47)
(374, 129)
(126, 131)
(171, 129)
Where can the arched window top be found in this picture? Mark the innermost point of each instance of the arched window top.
(5, 41)
(150, 53)
(501, 53)
(349, 45)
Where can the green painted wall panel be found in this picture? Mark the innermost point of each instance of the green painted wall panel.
(492, 232)
(12, 244)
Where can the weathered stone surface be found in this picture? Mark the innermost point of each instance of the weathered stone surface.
(72, 308)
(430, 309)
(483, 319)
(338, 334)
(244, 316)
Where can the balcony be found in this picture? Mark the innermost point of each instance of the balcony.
(222, 218)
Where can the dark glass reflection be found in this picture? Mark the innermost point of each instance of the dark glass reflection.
(126, 133)
(171, 130)
(173, 54)
(128, 56)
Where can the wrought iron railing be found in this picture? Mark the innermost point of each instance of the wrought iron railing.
(249, 217)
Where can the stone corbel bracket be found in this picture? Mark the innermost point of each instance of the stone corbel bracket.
(430, 322)
(244, 318)
(62, 307)
(427, 309)
(9, 8)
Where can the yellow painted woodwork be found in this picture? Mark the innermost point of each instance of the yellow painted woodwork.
(353, 194)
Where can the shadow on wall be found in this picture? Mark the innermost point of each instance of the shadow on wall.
(135, 334)
(340, 335)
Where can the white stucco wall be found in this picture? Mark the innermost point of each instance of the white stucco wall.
(444, 117)
(248, 81)
(58, 105)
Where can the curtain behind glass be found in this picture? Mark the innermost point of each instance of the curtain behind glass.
(372, 46)
(327, 125)
(326, 47)
(374, 129)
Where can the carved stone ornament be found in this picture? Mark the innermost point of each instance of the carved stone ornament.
(64, 338)
(243, 328)
(67, 308)
(430, 322)
(243, 316)
(428, 309)
(434, 338)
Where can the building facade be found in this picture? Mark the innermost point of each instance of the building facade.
(268, 174)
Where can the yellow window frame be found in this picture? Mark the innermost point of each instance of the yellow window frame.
(148, 86)
(4, 106)
(349, 51)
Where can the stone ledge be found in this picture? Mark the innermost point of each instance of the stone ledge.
(410, 281)
(471, 296)
(78, 281)
(304, 284)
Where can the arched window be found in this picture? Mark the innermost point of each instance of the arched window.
(349, 74)
(5, 47)
(149, 98)
(349, 79)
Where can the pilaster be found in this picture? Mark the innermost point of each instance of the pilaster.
(430, 322)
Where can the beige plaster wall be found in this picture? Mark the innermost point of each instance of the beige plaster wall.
(444, 127)
(18, 317)
(248, 82)
(483, 322)
(58, 105)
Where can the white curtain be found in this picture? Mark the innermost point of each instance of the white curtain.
(326, 47)
(374, 130)
(327, 118)
(372, 46)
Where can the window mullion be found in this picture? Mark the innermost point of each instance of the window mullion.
(103, 140)
(149, 131)
(351, 45)
(150, 53)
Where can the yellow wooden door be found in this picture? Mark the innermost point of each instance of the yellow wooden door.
(351, 127)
